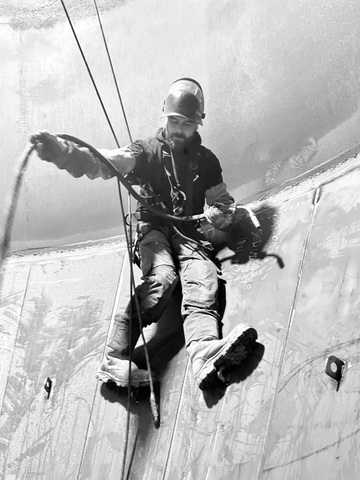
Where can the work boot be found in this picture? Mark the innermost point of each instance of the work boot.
(210, 357)
(116, 370)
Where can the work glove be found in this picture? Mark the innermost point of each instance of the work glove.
(221, 216)
(50, 148)
(237, 222)
(226, 217)
(245, 230)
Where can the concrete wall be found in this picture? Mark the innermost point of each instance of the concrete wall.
(281, 82)
(281, 417)
(282, 90)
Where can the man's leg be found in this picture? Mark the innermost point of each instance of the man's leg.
(153, 295)
(208, 354)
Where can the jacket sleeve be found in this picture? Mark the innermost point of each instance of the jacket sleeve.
(219, 196)
(220, 206)
(79, 161)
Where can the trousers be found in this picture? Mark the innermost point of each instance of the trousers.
(164, 260)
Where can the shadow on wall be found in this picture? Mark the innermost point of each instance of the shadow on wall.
(165, 339)
(234, 375)
(244, 247)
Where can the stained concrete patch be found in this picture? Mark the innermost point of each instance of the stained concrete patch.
(44, 14)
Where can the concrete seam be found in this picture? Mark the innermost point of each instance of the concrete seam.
(176, 419)
(315, 202)
(96, 389)
(12, 357)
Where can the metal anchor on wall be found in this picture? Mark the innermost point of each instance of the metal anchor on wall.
(48, 386)
(335, 368)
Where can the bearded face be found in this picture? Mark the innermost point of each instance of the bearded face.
(179, 132)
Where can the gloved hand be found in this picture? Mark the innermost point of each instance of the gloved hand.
(220, 216)
(233, 217)
(245, 231)
(49, 147)
(234, 225)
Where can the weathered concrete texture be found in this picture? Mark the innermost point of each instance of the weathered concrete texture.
(63, 303)
(280, 417)
(44, 14)
(281, 83)
(282, 100)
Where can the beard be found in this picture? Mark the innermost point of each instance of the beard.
(177, 141)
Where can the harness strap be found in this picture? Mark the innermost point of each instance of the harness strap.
(189, 190)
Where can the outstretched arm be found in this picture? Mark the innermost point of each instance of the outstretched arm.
(80, 161)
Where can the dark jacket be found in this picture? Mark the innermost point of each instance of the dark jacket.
(178, 180)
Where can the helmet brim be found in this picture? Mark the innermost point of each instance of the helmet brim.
(176, 114)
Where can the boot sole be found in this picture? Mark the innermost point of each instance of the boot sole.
(232, 353)
(106, 377)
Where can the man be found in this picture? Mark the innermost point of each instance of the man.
(177, 175)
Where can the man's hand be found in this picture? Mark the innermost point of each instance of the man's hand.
(221, 219)
(49, 147)
(246, 232)
(229, 217)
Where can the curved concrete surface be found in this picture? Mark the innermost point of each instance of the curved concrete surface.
(281, 86)
(282, 103)
(281, 416)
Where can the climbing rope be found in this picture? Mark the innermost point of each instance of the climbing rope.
(131, 191)
(113, 71)
(23, 161)
(153, 405)
(132, 280)
(128, 185)
(90, 74)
